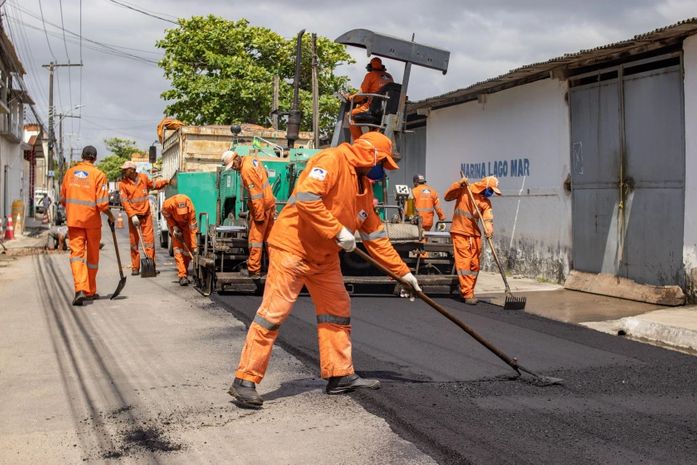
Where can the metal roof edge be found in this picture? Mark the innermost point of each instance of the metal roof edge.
(541, 70)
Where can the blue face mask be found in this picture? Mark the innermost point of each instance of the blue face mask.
(376, 173)
(488, 192)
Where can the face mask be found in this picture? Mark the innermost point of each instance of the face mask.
(376, 173)
(488, 192)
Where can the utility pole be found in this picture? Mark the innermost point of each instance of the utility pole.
(51, 134)
(61, 157)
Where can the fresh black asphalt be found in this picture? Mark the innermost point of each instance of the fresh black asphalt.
(622, 402)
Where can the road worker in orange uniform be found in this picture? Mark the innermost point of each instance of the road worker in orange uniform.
(332, 199)
(261, 204)
(135, 199)
(85, 194)
(426, 202)
(373, 81)
(180, 214)
(467, 238)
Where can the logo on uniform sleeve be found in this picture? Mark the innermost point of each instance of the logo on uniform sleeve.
(363, 215)
(81, 174)
(318, 173)
(255, 162)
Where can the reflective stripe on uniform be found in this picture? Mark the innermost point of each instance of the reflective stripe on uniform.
(177, 250)
(256, 244)
(87, 203)
(424, 210)
(77, 259)
(92, 267)
(291, 200)
(102, 199)
(308, 197)
(465, 213)
(257, 196)
(148, 245)
(373, 235)
(265, 185)
(467, 273)
(266, 324)
(332, 319)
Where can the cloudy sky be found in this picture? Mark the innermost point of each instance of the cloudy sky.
(119, 87)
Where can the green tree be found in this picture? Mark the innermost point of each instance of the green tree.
(111, 166)
(222, 71)
(120, 151)
(121, 147)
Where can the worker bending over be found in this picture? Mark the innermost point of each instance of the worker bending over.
(261, 204)
(135, 199)
(374, 80)
(426, 202)
(467, 240)
(332, 199)
(180, 214)
(85, 194)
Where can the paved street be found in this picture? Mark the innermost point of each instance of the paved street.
(143, 379)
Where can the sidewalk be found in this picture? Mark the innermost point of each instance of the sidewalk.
(670, 327)
(143, 379)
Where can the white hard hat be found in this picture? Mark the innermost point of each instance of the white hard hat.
(228, 157)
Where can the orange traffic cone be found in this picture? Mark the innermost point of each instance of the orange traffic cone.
(9, 230)
(119, 221)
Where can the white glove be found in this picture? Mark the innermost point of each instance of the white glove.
(411, 280)
(135, 221)
(442, 227)
(176, 232)
(346, 239)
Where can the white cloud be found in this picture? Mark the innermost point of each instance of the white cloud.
(485, 37)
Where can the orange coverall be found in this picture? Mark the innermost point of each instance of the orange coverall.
(84, 194)
(179, 211)
(467, 240)
(135, 199)
(426, 201)
(262, 206)
(303, 251)
(372, 82)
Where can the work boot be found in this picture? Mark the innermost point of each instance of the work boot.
(245, 393)
(183, 281)
(471, 300)
(255, 276)
(79, 299)
(135, 272)
(348, 383)
(94, 296)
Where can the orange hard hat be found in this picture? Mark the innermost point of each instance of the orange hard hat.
(382, 146)
(375, 65)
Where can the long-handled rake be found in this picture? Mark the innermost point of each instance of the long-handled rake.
(511, 302)
(512, 362)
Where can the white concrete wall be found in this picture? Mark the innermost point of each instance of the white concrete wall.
(528, 126)
(12, 157)
(690, 240)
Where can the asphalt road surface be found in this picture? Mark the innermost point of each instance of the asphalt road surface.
(622, 402)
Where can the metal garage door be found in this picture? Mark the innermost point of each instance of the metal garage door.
(628, 170)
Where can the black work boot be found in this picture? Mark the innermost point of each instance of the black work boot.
(245, 393)
(79, 299)
(348, 383)
(94, 296)
(183, 281)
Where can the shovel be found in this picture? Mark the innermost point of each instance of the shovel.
(511, 302)
(122, 281)
(147, 265)
(537, 379)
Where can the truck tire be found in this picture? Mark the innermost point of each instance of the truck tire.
(164, 239)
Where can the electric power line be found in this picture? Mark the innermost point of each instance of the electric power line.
(143, 12)
(43, 21)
